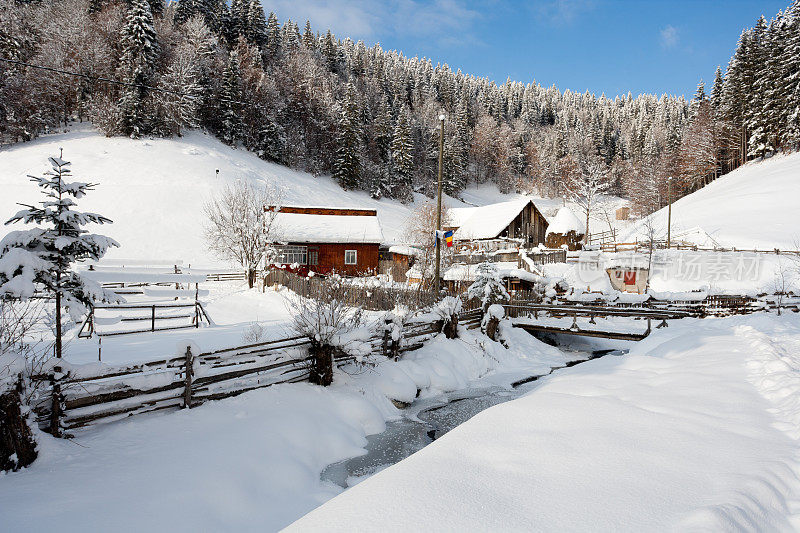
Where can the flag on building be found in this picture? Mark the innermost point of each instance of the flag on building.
(447, 236)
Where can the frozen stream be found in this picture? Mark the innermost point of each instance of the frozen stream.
(426, 420)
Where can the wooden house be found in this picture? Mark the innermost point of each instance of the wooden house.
(628, 278)
(395, 261)
(324, 240)
(519, 220)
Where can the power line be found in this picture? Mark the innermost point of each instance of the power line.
(121, 83)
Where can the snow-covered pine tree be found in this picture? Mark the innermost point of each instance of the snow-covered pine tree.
(42, 258)
(402, 156)
(256, 31)
(347, 166)
(271, 142)
(230, 96)
(273, 37)
(488, 287)
(137, 65)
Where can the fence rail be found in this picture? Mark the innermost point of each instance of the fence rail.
(156, 314)
(84, 398)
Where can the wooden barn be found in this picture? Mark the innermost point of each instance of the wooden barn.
(325, 239)
(396, 260)
(516, 219)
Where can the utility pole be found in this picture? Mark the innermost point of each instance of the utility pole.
(438, 282)
(669, 210)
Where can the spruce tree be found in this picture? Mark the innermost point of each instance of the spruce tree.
(231, 95)
(256, 25)
(402, 156)
(43, 258)
(273, 37)
(137, 65)
(347, 166)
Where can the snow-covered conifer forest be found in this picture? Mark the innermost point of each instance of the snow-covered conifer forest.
(324, 104)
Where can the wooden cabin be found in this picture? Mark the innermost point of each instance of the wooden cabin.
(395, 261)
(325, 240)
(519, 220)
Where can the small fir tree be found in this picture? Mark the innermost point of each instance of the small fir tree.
(42, 258)
(488, 287)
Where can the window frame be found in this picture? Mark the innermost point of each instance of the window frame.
(297, 253)
(355, 257)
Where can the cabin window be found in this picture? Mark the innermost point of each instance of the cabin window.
(350, 257)
(288, 255)
(630, 277)
(313, 257)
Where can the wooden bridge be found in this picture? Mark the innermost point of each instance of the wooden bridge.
(524, 316)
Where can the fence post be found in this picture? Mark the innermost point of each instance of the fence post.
(153, 319)
(386, 337)
(56, 406)
(188, 366)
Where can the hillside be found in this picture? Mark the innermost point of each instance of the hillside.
(154, 189)
(755, 206)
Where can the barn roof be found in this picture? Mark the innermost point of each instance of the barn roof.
(305, 225)
(485, 222)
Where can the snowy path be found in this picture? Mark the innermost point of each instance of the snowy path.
(696, 429)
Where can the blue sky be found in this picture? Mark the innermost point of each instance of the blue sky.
(605, 46)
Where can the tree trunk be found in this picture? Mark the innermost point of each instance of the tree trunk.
(321, 364)
(251, 277)
(58, 317)
(17, 445)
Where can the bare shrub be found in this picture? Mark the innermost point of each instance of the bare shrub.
(240, 225)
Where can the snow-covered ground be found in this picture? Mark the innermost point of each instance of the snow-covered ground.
(247, 463)
(678, 271)
(696, 429)
(154, 189)
(755, 206)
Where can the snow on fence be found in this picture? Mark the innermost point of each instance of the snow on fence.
(142, 318)
(75, 397)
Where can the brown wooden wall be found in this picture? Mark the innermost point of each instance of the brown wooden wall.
(331, 257)
(529, 225)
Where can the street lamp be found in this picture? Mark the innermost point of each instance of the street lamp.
(669, 210)
(438, 282)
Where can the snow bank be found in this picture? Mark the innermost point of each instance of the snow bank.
(755, 206)
(696, 429)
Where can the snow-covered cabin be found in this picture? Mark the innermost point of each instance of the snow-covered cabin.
(516, 219)
(565, 229)
(327, 239)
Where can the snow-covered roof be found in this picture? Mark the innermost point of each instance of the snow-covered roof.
(566, 221)
(485, 222)
(313, 228)
(404, 249)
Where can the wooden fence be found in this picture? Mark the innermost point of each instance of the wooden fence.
(372, 298)
(83, 398)
(151, 315)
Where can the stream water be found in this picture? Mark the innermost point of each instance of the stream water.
(428, 419)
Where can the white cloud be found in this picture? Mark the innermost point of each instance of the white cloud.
(563, 12)
(669, 36)
(446, 21)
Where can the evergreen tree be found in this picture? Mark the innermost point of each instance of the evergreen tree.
(256, 25)
(402, 156)
(137, 65)
(273, 37)
(488, 287)
(42, 259)
(272, 142)
(231, 95)
(347, 166)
